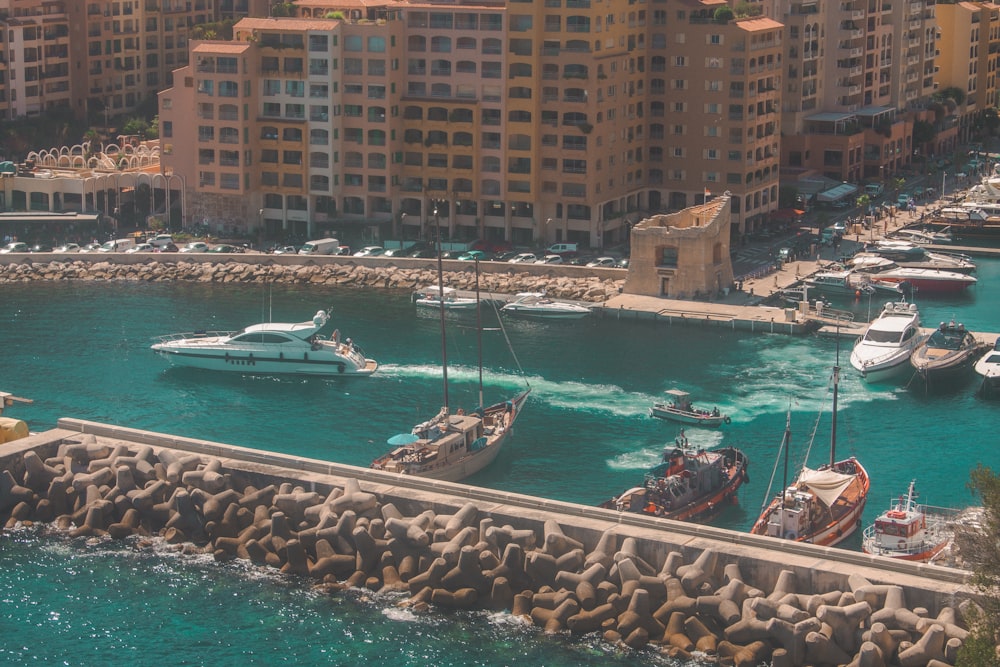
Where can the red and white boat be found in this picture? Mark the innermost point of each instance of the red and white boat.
(909, 531)
(924, 280)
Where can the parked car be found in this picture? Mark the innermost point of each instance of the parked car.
(506, 256)
(370, 251)
(68, 247)
(523, 258)
(41, 247)
(170, 247)
(550, 259)
(603, 261)
(160, 240)
(225, 247)
(141, 247)
(622, 263)
(580, 260)
(343, 250)
(15, 246)
(474, 255)
(195, 246)
(91, 247)
(425, 253)
(285, 250)
(903, 200)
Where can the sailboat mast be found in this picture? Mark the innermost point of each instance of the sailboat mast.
(836, 387)
(786, 443)
(479, 334)
(444, 344)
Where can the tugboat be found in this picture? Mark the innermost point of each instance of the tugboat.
(909, 531)
(690, 484)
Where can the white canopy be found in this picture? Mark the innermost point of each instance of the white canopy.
(826, 485)
(838, 192)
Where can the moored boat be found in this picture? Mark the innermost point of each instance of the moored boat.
(914, 256)
(924, 280)
(453, 446)
(988, 367)
(12, 429)
(680, 409)
(883, 351)
(847, 282)
(538, 305)
(446, 297)
(268, 348)
(909, 531)
(689, 484)
(945, 354)
(824, 505)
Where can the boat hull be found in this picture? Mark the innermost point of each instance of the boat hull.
(545, 314)
(263, 363)
(883, 371)
(920, 555)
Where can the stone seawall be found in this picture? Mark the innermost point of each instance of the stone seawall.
(569, 282)
(691, 592)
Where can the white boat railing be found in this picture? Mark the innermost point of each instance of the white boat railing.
(193, 334)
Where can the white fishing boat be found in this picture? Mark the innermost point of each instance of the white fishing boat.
(446, 297)
(908, 531)
(884, 350)
(268, 349)
(680, 409)
(538, 305)
(822, 506)
(453, 445)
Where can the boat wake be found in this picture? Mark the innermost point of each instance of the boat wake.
(648, 457)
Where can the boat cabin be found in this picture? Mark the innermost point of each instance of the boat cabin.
(794, 519)
(441, 438)
(896, 529)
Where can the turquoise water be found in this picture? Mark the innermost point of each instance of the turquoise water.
(82, 350)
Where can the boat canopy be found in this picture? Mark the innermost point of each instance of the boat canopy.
(677, 393)
(826, 485)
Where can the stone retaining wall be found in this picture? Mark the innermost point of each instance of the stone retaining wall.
(564, 282)
(656, 584)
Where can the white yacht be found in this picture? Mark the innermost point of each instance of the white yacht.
(536, 304)
(988, 366)
(269, 348)
(884, 349)
(431, 297)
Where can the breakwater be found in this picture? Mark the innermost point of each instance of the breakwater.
(564, 282)
(682, 589)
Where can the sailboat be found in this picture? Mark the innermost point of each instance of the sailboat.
(822, 506)
(452, 446)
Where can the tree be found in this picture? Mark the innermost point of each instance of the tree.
(923, 132)
(981, 551)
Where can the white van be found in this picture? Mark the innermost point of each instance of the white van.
(320, 247)
(564, 250)
(118, 245)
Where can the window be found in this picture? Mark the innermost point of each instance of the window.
(229, 89)
(206, 178)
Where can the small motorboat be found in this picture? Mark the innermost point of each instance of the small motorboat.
(885, 348)
(922, 237)
(946, 354)
(431, 297)
(537, 304)
(680, 409)
(12, 429)
(690, 484)
(270, 348)
(988, 367)
(849, 283)
(909, 531)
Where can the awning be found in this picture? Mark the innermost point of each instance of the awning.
(837, 193)
(826, 485)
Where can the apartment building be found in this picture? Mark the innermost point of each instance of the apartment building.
(858, 74)
(968, 55)
(35, 70)
(525, 122)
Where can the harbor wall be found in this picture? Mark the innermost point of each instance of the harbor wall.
(643, 582)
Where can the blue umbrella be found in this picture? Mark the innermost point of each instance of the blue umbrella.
(402, 439)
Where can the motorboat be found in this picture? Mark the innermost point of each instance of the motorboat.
(884, 349)
(269, 348)
(431, 297)
(988, 366)
(848, 282)
(453, 445)
(11, 428)
(921, 237)
(947, 353)
(910, 255)
(690, 483)
(909, 531)
(924, 280)
(823, 505)
(680, 409)
(537, 304)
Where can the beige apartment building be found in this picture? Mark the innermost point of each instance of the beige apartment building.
(968, 57)
(527, 123)
(35, 64)
(858, 75)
